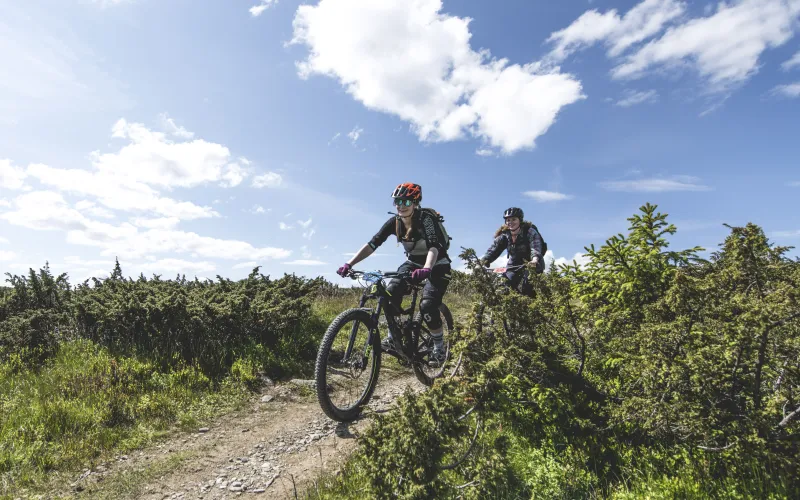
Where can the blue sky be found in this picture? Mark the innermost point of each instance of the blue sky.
(206, 137)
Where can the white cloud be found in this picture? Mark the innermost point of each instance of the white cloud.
(411, 60)
(6, 255)
(132, 178)
(790, 90)
(156, 223)
(267, 180)
(11, 176)
(633, 98)
(723, 47)
(47, 210)
(305, 224)
(792, 63)
(333, 139)
(484, 152)
(176, 266)
(169, 126)
(619, 33)
(246, 265)
(154, 160)
(305, 253)
(656, 185)
(258, 209)
(580, 258)
(545, 196)
(257, 10)
(4, 202)
(115, 193)
(91, 208)
(305, 262)
(355, 134)
(285, 227)
(4, 240)
(309, 234)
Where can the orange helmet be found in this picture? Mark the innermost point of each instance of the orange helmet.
(408, 191)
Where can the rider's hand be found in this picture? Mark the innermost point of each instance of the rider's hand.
(420, 274)
(534, 263)
(344, 270)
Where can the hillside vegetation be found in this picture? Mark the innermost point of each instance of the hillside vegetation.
(648, 373)
(86, 370)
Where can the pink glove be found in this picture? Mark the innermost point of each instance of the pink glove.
(344, 270)
(420, 274)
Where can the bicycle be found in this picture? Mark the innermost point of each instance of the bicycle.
(343, 359)
(482, 313)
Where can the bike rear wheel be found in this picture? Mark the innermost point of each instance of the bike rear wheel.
(421, 339)
(348, 364)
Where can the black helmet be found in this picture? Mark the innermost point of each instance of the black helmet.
(514, 212)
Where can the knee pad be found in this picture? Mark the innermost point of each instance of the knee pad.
(430, 313)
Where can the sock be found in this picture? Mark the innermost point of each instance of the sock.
(438, 339)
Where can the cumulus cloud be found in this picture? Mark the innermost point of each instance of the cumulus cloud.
(169, 126)
(47, 210)
(11, 176)
(133, 178)
(409, 59)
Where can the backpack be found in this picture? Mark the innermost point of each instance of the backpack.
(544, 243)
(440, 221)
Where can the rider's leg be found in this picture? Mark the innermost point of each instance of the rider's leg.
(397, 289)
(432, 295)
(525, 286)
(513, 278)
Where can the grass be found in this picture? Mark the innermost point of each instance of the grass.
(86, 404)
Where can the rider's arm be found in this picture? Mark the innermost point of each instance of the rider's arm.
(498, 245)
(383, 234)
(433, 255)
(362, 254)
(536, 244)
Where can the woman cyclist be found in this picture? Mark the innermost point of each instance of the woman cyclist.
(426, 249)
(523, 244)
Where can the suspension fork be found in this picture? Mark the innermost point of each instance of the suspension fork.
(354, 330)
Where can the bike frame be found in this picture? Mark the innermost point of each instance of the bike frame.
(380, 290)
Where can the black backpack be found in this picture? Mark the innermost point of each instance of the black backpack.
(544, 243)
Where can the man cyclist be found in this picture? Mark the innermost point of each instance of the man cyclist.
(426, 250)
(524, 246)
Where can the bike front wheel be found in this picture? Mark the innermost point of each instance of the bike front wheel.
(348, 364)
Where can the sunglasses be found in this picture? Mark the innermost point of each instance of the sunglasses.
(400, 203)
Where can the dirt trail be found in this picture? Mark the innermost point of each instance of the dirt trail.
(269, 450)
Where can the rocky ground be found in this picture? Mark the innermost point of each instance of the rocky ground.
(276, 448)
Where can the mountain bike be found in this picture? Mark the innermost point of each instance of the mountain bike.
(482, 313)
(349, 356)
